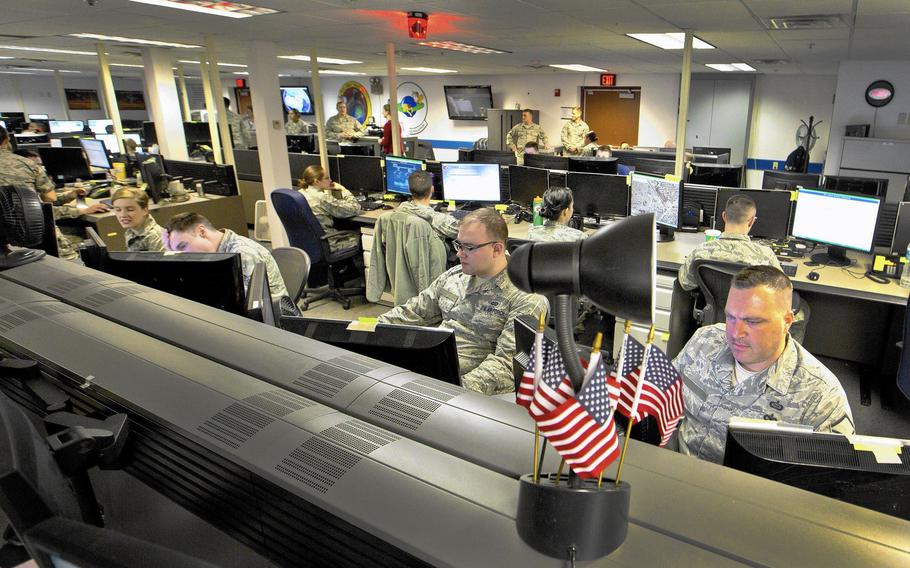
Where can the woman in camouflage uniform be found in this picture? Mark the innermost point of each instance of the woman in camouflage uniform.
(143, 233)
(556, 210)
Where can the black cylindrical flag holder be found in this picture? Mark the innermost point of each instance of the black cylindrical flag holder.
(553, 519)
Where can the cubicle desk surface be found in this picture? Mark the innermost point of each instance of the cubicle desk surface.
(223, 212)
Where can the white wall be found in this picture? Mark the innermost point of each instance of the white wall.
(40, 95)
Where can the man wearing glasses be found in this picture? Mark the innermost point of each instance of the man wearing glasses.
(479, 302)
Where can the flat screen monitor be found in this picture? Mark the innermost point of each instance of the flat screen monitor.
(901, 230)
(527, 183)
(547, 161)
(96, 153)
(599, 194)
(865, 186)
(470, 181)
(655, 166)
(840, 220)
(93, 252)
(722, 175)
(38, 117)
(109, 141)
(429, 351)
(468, 102)
(397, 171)
(65, 126)
(155, 181)
(100, 126)
(778, 179)
(213, 279)
(149, 134)
(652, 194)
(297, 98)
(301, 143)
(823, 463)
(65, 164)
(197, 133)
(360, 173)
(500, 157)
(260, 305)
(772, 206)
(593, 165)
(711, 150)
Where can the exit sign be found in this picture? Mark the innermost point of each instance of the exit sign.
(608, 79)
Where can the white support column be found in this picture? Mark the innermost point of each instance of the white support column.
(215, 77)
(164, 102)
(210, 108)
(685, 81)
(320, 112)
(393, 99)
(61, 92)
(184, 97)
(107, 83)
(270, 136)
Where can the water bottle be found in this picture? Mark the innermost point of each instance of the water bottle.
(905, 271)
(538, 220)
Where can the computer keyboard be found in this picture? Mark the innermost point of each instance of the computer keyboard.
(370, 205)
(789, 268)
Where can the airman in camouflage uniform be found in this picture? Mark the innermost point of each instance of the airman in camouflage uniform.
(343, 126)
(553, 231)
(252, 252)
(524, 132)
(573, 134)
(296, 126)
(145, 237)
(240, 131)
(796, 389)
(328, 205)
(444, 224)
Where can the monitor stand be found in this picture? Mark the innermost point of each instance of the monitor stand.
(665, 234)
(835, 256)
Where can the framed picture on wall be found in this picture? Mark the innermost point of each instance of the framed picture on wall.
(130, 100)
(82, 99)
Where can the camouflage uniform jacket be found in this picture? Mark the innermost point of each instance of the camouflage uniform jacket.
(796, 389)
(252, 252)
(573, 134)
(553, 231)
(145, 237)
(482, 313)
(444, 224)
(326, 206)
(521, 135)
(299, 127)
(240, 132)
(339, 124)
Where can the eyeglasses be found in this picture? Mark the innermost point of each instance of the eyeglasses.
(460, 246)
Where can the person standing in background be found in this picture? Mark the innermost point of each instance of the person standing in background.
(525, 132)
(573, 134)
(386, 143)
(343, 127)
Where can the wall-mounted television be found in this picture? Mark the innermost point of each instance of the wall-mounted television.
(468, 102)
(297, 98)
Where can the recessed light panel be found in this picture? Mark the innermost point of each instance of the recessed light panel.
(671, 40)
(213, 8)
(140, 41)
(578, 67)
(458, 46)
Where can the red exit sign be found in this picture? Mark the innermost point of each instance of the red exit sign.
(608, 79)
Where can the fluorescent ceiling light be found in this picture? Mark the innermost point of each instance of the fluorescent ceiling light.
(329, 60)
(121, 39)
(47, 50)
(219, 63)
(15, 73)
(247, 73)
(338, 72)
(40, 69)
(458, 46)
(428, 70)
(125, 65)
(226, 9)
(582, 68)
(730, 66)
(6, 57)
(671, 40)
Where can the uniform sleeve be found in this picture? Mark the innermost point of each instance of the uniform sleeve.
(341, 207)
(445, 224)
(564, 135)
(247, 264)
(422, 309)
(494, 374)
(542, 139)
(686, 278)
(43, 184)
(152, 239)
(66, 212)
(832, 412)
(510, 137)
(332, 128)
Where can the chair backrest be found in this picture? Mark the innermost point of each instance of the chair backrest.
(682, 322)
(713, 279)
(294, 265)
(300, 224)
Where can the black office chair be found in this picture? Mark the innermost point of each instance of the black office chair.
(714, 279)
(682, 324)
(329, 269)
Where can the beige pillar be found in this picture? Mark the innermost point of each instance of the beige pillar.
(685, 81)
(107, 83)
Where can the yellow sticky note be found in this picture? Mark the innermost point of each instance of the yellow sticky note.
(501, 207)
(885, 450)
(773, 165)
(363, 324)
(111, 234)
(672, 177)
(629, 179)
(794, 195)
(452, 204)
(878, 263)
(665, 336)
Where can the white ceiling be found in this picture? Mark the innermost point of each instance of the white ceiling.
(534, 31)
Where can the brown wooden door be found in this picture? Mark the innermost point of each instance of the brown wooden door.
(612, 113)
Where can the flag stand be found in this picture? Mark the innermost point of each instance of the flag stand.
(625, 444)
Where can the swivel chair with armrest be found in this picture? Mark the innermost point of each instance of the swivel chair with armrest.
(682, 322)
(294, 265)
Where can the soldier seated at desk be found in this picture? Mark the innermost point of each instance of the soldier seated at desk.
(141, 231)
(751, 367)
(329, 201)
(420, 184)
(556, 210)
(479, 302)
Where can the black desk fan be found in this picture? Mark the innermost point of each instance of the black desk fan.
(21, 224)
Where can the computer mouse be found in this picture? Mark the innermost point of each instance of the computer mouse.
(813, 276)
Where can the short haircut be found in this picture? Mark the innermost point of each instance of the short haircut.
(527, 110)
(492, 221)
(293, 111)
(754, 276)
(341, 102)
(592, 136)
(140, 196)
(534, 145)
(420, 183)
(26, 153)
(4, 135)
(578, 108)
(739, 208)
(311, 175)
(555, 201)
(183, 222)
(227, 103)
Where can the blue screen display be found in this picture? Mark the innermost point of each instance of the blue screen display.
(397, 171)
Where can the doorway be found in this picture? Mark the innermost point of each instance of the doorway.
(612, 112)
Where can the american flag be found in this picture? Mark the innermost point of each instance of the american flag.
(661, 393)
(582, 428)
(554, 387)
(525, 393)
(622, 387)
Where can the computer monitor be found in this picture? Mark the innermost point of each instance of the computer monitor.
(722, 175)
(154, 178)
(219, 179)
(301, 143)
(93, 251)
(495, 157)
(430, 351)
(865, 186)
(214, 279)
(823, 463)
(109, 141)
(96, 153)
(65, 126)
(197, 133)
(99, 126)
(149, 134)
(711, 150)
(260, 305)
(840, 220)
(773, 211)
(901, 230)
(527, 183)
(297, 98)
(397, 171)
(654, 166)
(599, 194)
(779, 179)
(471, 181)
(593, 165)
(546, 161)
(361, 173)
(651, 194)
(65, 165)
